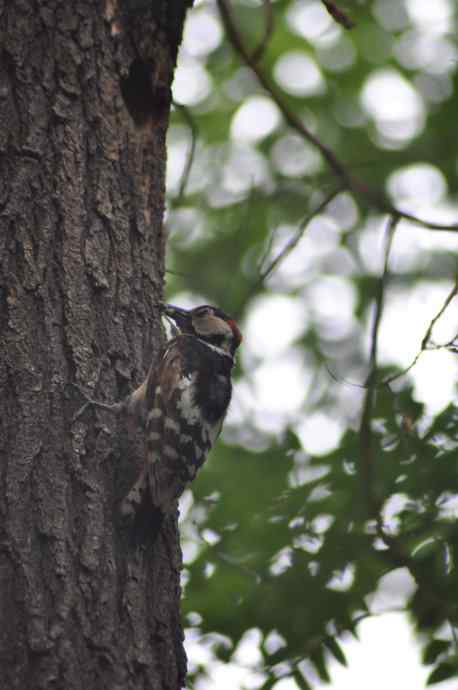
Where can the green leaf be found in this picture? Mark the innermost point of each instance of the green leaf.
(287, 524)
(319, 661)
(302, 683)
(270, 682)
(434, 649)
(442, 672)
(336, 650)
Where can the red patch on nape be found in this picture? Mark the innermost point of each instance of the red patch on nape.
(235, 330)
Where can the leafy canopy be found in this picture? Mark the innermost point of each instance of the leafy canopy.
(313, 145)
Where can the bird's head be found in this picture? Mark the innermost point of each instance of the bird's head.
(207, 323)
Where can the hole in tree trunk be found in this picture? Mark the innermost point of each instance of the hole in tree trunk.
(143, 98)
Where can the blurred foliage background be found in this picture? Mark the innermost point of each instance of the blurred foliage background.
(338, 466)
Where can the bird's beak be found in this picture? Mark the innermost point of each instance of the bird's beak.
(177, 314)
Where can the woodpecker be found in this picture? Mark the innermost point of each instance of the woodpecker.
(183, 402)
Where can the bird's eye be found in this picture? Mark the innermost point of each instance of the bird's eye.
(203, 311)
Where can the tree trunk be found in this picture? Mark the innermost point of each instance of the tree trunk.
(84, 101)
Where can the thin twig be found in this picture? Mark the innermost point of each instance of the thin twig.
(349, 181)
(260, 49)
(192, 149)
(294, 241)
(267, 251)
(425, 345)
(447, 301)
(454, 636)
(450, 344)
(337, 379)
(365, 430)
(426, 338)
(428, 224)
(338, 15)
(392, 223)
(180, 274)
(291, 118)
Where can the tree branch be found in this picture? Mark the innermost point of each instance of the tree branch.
(290, 117)
(258, 52)
(426, 338)
(338, 15)
(365, 430)
(187, 117)
(348, 181)
(294, 241)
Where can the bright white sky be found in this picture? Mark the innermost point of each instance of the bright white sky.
(387, 654)
(385, 657)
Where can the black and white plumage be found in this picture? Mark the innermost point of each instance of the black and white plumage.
(184, 400)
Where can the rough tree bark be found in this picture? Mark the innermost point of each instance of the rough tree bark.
(84, 102)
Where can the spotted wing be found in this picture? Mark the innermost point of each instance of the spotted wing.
(186, 408)
(175, 447)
